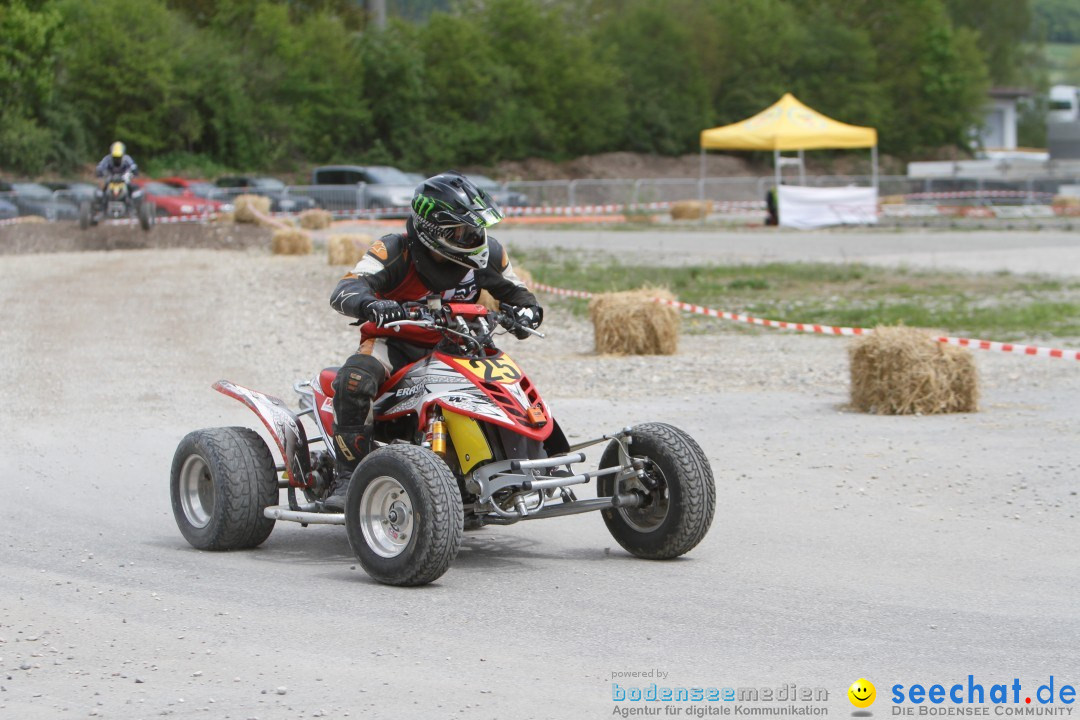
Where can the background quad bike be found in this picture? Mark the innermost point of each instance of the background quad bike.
(404, 516)
(144, 211)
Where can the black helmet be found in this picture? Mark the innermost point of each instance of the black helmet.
(450, 217)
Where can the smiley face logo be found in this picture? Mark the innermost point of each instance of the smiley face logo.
(862, 693)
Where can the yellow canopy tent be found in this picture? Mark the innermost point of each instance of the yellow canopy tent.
(788, 125)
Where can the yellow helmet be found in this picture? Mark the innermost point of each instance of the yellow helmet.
(117, 149)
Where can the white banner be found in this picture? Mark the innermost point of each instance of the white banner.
(812, 207)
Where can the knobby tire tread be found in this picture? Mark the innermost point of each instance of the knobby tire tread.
(439, 548)
(697, 492)
(245, 482)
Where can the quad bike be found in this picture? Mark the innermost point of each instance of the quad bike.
(462, 439)
(117, 203)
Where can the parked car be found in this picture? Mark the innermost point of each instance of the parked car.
(362, 186)
(76, 192)
(281, 199)
(8, 209)
(202, 188)
(501, 195)
(36, 199)
(505, 198)
(170, 200)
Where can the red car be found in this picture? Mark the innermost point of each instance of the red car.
(172, 200)
(203, 188)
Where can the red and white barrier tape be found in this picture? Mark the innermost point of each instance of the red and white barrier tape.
(974, 194)
(831, 329)
(1009, 347)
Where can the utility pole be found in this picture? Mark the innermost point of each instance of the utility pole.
(377, 9)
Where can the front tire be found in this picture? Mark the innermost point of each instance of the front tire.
(84, 216)
(222, 480)
(403, 515)
(679, 508)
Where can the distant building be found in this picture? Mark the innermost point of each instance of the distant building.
(998, 131)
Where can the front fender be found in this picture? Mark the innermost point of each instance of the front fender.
(282, 424)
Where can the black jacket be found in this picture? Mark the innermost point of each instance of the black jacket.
(389, 271)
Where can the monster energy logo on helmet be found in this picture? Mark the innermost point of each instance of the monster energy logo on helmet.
(423, 205)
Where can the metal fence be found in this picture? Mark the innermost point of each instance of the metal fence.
(616, 191)
(956, 190)
(747, 192)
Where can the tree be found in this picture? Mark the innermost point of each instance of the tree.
(120, 70)
(932, 77)
(28, 39)
(1002, 27)
(651, 44)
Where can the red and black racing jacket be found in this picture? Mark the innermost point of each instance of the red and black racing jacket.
(390, 271)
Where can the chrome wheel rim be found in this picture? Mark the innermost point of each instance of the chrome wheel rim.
(386, 517)
(649, 517)
(197, 491)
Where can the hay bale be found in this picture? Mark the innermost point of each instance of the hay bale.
(246, 208)
(225, 217)
(904, 371)
(288, 241)
(32, 219)
(691, 209)
(1066, 201)
(630, 323)
(347, 249)
(315, 219)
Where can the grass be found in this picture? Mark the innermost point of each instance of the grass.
(1063, 64)
(997, 306)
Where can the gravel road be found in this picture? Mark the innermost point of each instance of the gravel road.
(899, 549)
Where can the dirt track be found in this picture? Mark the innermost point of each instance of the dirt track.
(903, 550)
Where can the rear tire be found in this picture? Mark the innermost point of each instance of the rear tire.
(403, 515)
(146, 215)
(679, 511)
(222, 480)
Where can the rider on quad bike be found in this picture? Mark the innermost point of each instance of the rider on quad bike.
(444, 251)
(117, 163)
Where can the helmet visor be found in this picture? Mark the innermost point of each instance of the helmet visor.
(464, 237)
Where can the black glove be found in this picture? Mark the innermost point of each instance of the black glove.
(381, 312)
(529, 316)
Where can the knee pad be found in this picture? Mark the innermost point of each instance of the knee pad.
(355, 386)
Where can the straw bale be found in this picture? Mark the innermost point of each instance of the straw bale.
(640, 218)
(630, 323)
(32, 219)
(246, 206)
(347, 249)
(690, 209)
(288, 241)
(315, 219)
(226, 217)
(904, 371)
(1066, 201)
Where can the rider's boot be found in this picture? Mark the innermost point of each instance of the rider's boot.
(353, 443)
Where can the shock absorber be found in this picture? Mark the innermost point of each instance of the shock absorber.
(437, 433)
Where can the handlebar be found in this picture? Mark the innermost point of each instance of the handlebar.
(469, 321)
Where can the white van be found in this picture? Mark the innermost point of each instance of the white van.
(1064, 104)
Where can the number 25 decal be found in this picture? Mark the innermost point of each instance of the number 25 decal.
(497, 369)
